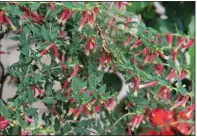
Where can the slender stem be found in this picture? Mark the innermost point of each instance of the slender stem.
(128, 114)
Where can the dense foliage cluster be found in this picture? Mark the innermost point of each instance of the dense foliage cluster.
(79, 40)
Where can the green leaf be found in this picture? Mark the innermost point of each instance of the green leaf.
(66, 128)
(99, 78)
(183, 91)
(191, 27)
(162, 80)
(60, 97)
(76, 84)
(23, 123)
(49, 90)
(57, 124)
(31, 111)
(20, 87)
(16, 130)
(3, 109)
(47, 100)
(102, 89)
(30, 97)
(35, 6)
(36, 131)
(24, 44)
(44, 33)
(192, 61)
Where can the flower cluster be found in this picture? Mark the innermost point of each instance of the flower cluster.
(100, 35)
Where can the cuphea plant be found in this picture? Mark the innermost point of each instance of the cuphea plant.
(81, 39)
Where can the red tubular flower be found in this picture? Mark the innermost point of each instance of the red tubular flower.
(122, 4)
(96, 10)
(82, 91)
(94, 44)
(161, 90)
(111, 102)
(3, 123)
(152, 40)
(74, 73)
(138, 43)
(162, 55)
(146, 51)
(87, 111)
(127, 22)
(191, 130)
(97, 109)
(88, 46)
(180, 103)
(55, 52)
(78, 113)
(159, 68)
(30, 120)
(2, 17)
(128, 40)
(174, 54)
(90, 93)
(65, 84)
(69, 92)
(106, 105)
(191, 109)
(91, 19)
(46, 49)
(171, 75)
(52, 6)
(72, 100)
(182, 115)
(108, 60)
(35, 16)
(72, 111)
(188, 45)
(39, 90)
(102, 60)
(167, 95)
(137, 86)
(129, 132)
(84, 20)
(110, 22)
(114, 30)
(63, 65)
(183, 74)
(92, 102)
(148, 59)
(64, 13)
(159, 39)
(140, 119)
(155, 56)
(10, 22)
(67, 17)
(148, 84)
(3, 52)
(82, 37)
(134, 121)
(26, 9)
(169, 40)
(183, 128)
(129, 104)
(180, 44)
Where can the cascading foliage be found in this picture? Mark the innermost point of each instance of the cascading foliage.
(81, 39)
